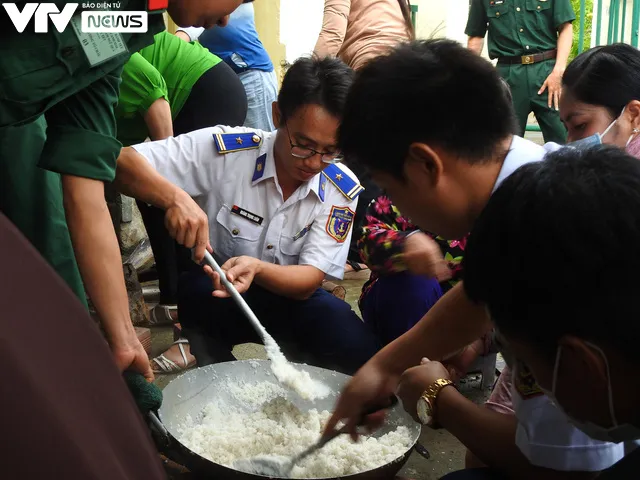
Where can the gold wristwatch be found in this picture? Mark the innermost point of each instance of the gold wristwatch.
(427, 402)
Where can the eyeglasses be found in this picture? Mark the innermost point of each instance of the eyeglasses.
(300, 151)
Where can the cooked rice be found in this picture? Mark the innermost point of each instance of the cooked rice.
(225, 434)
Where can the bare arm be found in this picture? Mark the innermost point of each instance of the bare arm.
(490, 436)
(453, 322)
(553, 83)
(565, 40)
(137, 179)
(100, 264)
(292, 281)
(334, 27)
(190, 34)
(475, 44)
(186, 222)
(158, 120)
(183, 35)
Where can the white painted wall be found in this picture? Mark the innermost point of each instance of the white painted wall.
(300, 24)
(457, 13)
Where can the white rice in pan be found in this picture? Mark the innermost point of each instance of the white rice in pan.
(224, 434)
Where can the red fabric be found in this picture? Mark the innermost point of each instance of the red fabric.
(66, 411)
(153, 5)
(633, 148)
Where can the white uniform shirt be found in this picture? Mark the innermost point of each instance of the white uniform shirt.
(544, 434)
(240, 194)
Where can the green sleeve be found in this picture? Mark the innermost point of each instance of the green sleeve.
(142, 84)
(477, 22)
(81, 132)
(563, 12)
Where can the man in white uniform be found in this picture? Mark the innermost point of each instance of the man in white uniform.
(440, 165)
(280, 208)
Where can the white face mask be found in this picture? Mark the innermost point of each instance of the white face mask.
(596, 138)
(617, 433)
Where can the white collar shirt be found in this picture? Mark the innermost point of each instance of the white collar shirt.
(240, 194)
(544, 434)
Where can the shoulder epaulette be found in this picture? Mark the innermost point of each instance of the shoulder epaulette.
(342, 181)
(235, 142)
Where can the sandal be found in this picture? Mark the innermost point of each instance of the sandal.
(355, 271)
(161, 364)
(163, 315)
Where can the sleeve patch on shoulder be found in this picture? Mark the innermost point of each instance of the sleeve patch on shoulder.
(339, 223)
(524, 382)
(343, 182)
(236, 142)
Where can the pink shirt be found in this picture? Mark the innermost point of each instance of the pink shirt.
(358, 30)
(633, 148)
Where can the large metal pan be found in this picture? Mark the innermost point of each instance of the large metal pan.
(189, 393)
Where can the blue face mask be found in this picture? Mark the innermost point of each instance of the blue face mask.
(596, 138)
(590, 141)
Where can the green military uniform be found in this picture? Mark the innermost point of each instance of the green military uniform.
(57, 117)
(522, 28)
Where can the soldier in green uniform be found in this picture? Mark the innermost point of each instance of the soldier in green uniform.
(58, 91)
(531, 40)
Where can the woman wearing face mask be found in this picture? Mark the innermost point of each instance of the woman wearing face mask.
(601, 97)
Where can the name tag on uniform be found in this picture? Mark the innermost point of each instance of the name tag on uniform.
(252, 217)
(98, 47)
(302, 232)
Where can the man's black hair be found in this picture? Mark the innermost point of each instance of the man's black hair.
(607, 76)
(435, 92)
(556, 251)
(324, 82)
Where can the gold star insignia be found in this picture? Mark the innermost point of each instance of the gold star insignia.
(259, 167)
(322, 186)
(338, 176)
(239, 141)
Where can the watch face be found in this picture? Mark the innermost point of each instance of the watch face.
(424, 411)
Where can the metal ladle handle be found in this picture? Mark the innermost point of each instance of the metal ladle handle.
(246, 309)
(392, 402)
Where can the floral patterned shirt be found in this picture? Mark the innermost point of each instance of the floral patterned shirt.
(382, 239)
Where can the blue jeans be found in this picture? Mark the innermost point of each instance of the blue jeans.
(395, 303)
(262, 91)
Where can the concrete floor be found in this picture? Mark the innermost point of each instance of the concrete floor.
(447, 453)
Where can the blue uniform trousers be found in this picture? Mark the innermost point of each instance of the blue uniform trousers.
(396, 302)
(323, 330)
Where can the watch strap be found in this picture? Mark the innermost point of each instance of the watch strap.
(430, 395)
